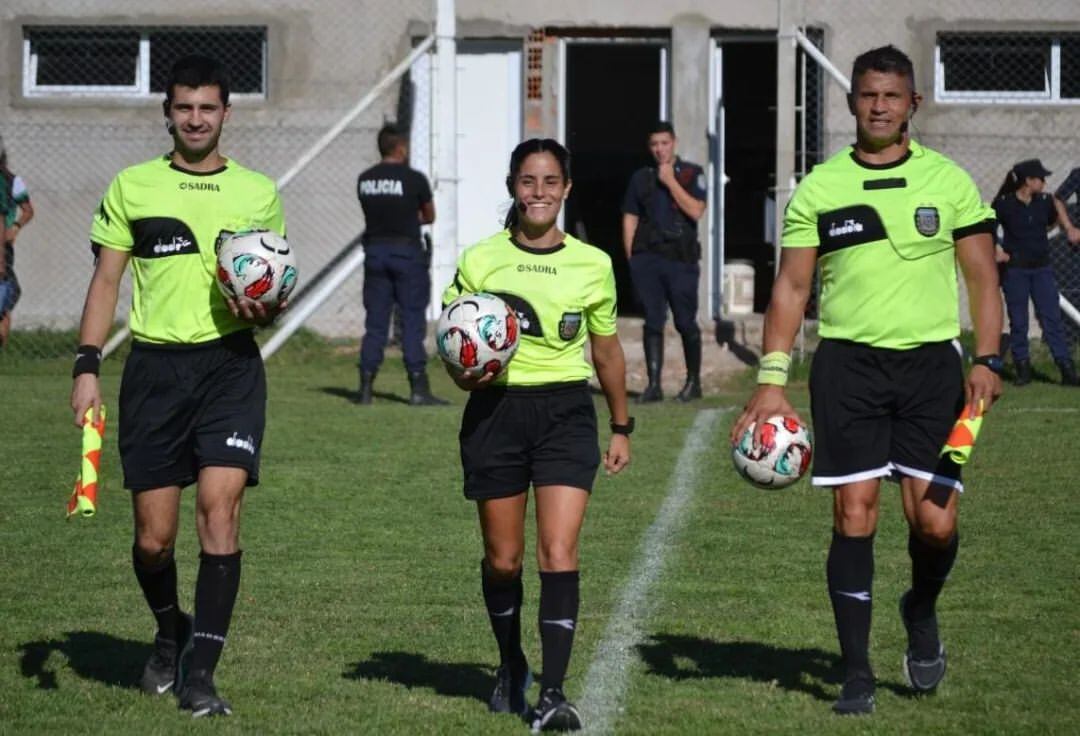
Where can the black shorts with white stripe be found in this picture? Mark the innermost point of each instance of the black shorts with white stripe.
(884, 413)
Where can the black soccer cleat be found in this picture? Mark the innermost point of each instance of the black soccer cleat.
(512, 681)
(856, 697)
(200, 697)
(160, 673)
(553, 712)
(922, 671)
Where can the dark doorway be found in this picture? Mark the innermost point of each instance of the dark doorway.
(612, 99)
(749, 90)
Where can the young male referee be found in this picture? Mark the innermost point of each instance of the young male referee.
(193, 393)
(887, 220)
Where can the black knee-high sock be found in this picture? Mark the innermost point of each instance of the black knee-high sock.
(215, 594)
(158, 583)
(559, 599)
(503, 601)
(930, 568)
(851, 578)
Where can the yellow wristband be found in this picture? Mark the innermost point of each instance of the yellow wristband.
(773, 368)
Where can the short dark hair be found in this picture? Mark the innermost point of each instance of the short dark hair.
(662, 126)
(196, 70)
(884, 59)
(390, 137)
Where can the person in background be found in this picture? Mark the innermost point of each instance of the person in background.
(17, 213)
(1025, 212)
(661, 209)
(396, 200)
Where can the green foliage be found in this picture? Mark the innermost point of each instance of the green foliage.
(360, 610)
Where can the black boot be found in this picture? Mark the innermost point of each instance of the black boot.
(420, 392)
(367, 383)
(1068, 373)
(654, 365)
(692, 353)
(1023, 373)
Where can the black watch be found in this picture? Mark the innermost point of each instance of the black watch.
(993, 362)
(623, 429)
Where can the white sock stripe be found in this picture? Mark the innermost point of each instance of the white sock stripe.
(208, 635)
(606, 681)
(566, 623)
(163, 610)
(502, 614)
(859, 595)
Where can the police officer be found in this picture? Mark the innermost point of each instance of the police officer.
(396, 200)
(660, 212)
(1069, 187)
(1025, 212)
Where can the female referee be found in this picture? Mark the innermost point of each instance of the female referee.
(535, 424)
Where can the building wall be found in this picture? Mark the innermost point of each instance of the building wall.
(325, 54)
(323, 57)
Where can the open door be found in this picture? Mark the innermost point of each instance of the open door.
(615, 90)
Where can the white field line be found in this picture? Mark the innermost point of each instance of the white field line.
(606, 681)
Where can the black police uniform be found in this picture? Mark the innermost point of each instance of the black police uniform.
(664, 267)
(1068, 188)
(395, 270)
(1028, 275)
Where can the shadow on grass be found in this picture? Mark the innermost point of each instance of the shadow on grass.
(350, 395)
(91, 654)
(454, 679)
(811, 671)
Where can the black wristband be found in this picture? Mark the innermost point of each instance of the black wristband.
(87, 360)
(623, 429)
(992, 361)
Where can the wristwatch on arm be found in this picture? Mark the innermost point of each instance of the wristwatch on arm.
(993, 362)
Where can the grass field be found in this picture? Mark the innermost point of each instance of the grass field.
(360, 610)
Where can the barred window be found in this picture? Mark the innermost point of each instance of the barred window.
(127, 61)
(1007, 68)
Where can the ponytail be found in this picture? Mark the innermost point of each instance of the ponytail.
(1009, 186)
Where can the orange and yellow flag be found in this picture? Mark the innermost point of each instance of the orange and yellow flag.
(83, 501)
(961, 439)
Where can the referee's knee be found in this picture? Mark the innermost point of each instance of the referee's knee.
(503, 566)
(936, 531)
(153, 550)
(557, 557)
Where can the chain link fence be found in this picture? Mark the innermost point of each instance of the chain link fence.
(1000, 81)
(88, 103)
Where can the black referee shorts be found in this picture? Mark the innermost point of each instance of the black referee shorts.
(880, 412)
(514, 437)
(183, 408)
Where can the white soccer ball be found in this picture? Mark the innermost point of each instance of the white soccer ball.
(477, 334)
(258, 265)
(782, 457)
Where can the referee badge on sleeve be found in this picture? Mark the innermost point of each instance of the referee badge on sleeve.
(927, 221)
(569, 325)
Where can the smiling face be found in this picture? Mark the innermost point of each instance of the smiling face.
(539, 190)
(882, 102)
(197, 115)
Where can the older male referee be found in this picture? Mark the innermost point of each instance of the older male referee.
(887, 220)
